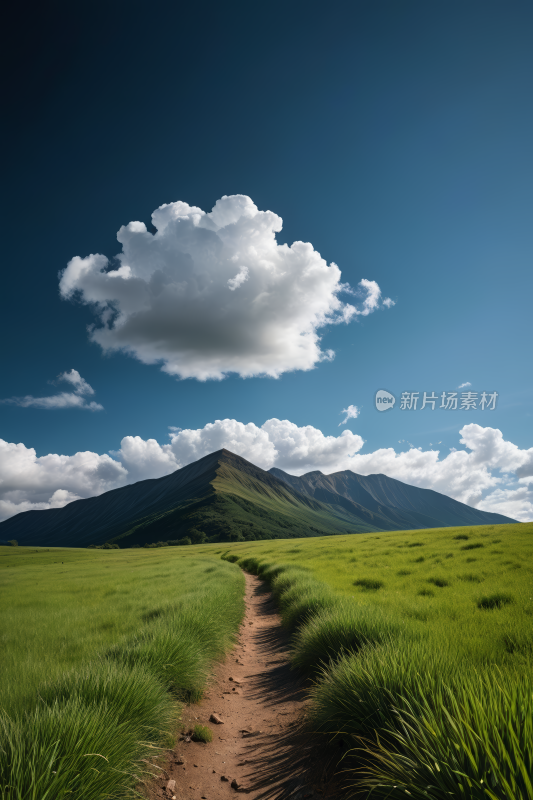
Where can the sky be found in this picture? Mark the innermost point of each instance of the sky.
(231, 225)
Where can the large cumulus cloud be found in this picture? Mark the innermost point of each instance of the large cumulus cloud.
(31, 483)
(214, 293)
(490, 473)
(276, 443)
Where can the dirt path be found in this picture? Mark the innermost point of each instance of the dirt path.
(260, 747)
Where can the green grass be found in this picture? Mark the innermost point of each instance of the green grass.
(428, 728)
(497, 600)
(421, 655)
(201, 733)
(451, 608)
(97, 648)
(369, 584)
(422, 664)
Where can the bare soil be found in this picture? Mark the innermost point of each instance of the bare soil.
(260, 747)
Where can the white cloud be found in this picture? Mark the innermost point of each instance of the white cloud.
(370, 294)
(239, 279)
(73, 399)
(172, 297)
(80, 385)
(62, 400)
(515, 503)
(464, 385)
(28, 482)
(352, 412)
(525, 472)
(491, 474)
(145, 458)
(277, 443)
(469, 476)
(60, 498)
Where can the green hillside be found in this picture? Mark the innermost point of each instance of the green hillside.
(239, 505)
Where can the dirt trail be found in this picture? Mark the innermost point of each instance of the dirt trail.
(260, 748)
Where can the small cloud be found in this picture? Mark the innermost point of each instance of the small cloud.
(174, 429)
(464, 385)
(352, 412)
(370, 294)
(73, 399)
(239, 279)
(80, 385)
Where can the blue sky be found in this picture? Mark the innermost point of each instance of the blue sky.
(394, 137)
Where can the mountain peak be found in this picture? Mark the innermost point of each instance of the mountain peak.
(223, 496)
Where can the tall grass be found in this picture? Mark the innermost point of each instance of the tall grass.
(92, 689)
(344, 629)
(475, 742)
(62, 750)
(432, 688)
(473, 598)
(358, 695)
(88, 734)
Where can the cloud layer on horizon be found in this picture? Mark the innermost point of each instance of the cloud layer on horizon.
(73, 399)
(491, 474)
(214, 293)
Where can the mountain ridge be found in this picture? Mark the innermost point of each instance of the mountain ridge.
(222, 496)
(378, 491)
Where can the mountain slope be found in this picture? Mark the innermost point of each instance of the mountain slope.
(97, 519)
(222, 495)
(391, 499)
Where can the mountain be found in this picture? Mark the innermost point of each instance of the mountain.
(225, 498)
(389, 499)
(222, 495)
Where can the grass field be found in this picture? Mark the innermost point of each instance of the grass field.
(97, 649)
(420, 644)
(432, 582)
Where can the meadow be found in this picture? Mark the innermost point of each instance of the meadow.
(98, 650)
(418, 644)
(420, 647)
(432, 582)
